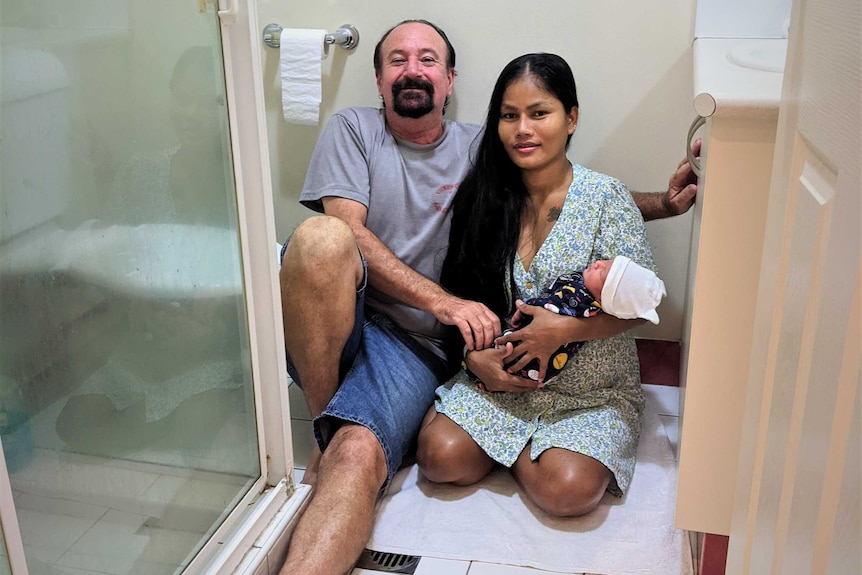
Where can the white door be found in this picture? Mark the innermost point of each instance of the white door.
(798, 489)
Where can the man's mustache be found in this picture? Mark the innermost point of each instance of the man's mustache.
(412, 84)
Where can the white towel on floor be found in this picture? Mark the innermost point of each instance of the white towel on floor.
(493, 522)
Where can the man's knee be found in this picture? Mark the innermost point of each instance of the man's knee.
(321, 243)
(355, 450)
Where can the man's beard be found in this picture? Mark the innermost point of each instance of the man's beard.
(419, 102)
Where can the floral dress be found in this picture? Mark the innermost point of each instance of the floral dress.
(594, 405)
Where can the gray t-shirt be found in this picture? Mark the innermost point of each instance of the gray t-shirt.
(408, 190)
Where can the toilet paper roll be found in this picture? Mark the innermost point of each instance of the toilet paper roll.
(301, 51)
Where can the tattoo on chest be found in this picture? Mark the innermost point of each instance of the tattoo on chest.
(554, 213)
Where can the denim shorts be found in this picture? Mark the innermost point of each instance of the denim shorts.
(387, 383)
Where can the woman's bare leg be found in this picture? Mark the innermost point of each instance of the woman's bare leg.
(561, 482)
(447, 454)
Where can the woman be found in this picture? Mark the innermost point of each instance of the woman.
(523, 217)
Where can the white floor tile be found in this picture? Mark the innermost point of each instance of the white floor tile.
(195, 491)
(49, 527)
(303, 439)
(433, 566)
(62, 507)
(190, 503)
(120, 542)
(665, 398)
(81, 478)
(47, 535)
(36, 567)
(108, 516)
(477, 568)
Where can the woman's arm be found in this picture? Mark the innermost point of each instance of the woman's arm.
(548, 331)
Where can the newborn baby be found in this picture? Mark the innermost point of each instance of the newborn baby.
(625, 290)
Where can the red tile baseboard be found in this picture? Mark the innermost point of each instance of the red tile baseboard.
(659, 361)
(713, 554)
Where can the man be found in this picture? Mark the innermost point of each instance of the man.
(385, 180)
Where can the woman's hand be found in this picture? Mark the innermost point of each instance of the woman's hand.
(543, 336)
(548, 331)
(488, 366)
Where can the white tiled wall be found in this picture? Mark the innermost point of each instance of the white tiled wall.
(300, 424)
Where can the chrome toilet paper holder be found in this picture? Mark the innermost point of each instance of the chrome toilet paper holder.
(347, 36)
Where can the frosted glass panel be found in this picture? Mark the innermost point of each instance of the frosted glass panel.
(126, 404)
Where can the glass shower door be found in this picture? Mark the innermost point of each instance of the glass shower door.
(127, 411)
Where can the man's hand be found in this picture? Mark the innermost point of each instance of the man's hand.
(680, 194)
(478, 325)
(682, 186)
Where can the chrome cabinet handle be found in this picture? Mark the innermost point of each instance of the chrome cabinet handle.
(692, 160)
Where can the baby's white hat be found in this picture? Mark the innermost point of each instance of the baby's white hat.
(632, 291)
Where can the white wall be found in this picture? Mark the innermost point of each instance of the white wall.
(742, 19)
(632, 63)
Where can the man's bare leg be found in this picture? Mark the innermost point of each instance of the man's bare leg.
(335, 527)
(321, 258)
(321, 263)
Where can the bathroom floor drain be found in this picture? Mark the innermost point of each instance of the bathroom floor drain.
(387, 562)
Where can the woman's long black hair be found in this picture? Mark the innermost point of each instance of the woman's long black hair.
(486, 212)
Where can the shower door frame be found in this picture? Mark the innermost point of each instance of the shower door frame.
(233, 543)
(11, 531)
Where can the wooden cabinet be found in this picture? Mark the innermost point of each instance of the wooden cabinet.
(724, 267)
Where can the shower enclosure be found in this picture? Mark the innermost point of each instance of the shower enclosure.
(141, 374)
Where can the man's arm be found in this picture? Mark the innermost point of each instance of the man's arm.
(477, 324)
(680, 194)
